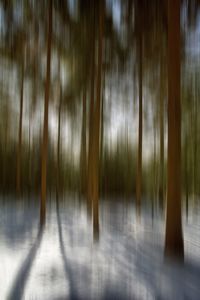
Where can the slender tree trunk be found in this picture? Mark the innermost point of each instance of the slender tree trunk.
(186, 176)
(29, 154)
(5, 161)
(174, 239)
(58, 143)
(154, 198)
(18, 169)
(140, 124)
(96, 132)
(83, 154)
(45, 124)
(195, 134)
(102, 134)
(161, 179)
(91, 123)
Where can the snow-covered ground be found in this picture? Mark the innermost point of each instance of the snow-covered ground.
(63, 261)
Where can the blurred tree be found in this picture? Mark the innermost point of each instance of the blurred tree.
(45, 123)
(174, 238)
(140, 20)
(96, 124)
(83, 151)
(18, 168)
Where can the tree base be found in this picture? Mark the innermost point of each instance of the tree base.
(174, 252)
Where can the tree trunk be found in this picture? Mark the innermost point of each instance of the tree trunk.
(154, 198)
(186, 176)
(18, 169)
(96, 131)
(91, 122)
(45, 124)
(195, 134)
(58, 143)
(83, 154)
(5, 161)
(161, 180)
(29, 154)
(174, 239)
(102, 134)
(139, 159)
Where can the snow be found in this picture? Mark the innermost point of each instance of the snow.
(63, 261)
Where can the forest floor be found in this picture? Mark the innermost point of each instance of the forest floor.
(63, 262)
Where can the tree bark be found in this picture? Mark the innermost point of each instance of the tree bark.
(91, 121)
(174, 239)
(140, 125)
(58, 142)
(18, 169)
(161, 180)
(186, 176)
(102, 133)
(83, 154)
(45, 124)
(96, 131)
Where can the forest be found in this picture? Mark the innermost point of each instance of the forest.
(99, 144)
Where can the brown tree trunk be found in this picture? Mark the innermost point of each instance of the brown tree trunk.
(155, 166)
(96, 131)
(18, 169)
(139, 159)
(58, 143)
(45, 124)
(91, 122)
(195, 134)
(161, 179)
(83, 154)
(29, 154)
(174, 239)
(5, 161)
(186, 176)
(102, 134)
